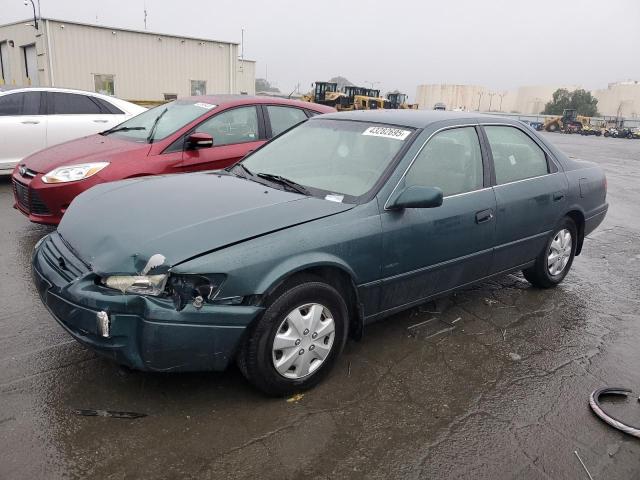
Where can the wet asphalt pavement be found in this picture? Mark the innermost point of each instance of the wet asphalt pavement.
(493, 384)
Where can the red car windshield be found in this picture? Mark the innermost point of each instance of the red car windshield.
(160, 122)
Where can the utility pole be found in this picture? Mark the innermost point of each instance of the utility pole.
(501, 95)
(35, 17)
(242, 51)
(145, 15)
(480, 94)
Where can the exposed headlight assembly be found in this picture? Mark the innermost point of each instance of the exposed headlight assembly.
(140, 284)
(196, 289)
(72, 173)
(182, 289)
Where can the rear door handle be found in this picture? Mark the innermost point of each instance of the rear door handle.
(100, 121)
(484, 215)
(31, 122)
(558, 196)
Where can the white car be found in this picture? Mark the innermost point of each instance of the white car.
(35, 118)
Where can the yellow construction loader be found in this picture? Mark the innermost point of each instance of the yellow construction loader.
(325, 93)
(399, 101)
(569, 122)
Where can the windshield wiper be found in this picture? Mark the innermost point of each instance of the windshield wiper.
(121, 129)
(155, 124)
(284, 181)
(249, 172)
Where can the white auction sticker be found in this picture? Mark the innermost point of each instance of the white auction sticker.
(387, 132)
(332, 197)
(208, 106)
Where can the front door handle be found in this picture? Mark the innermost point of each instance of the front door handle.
(31, 122)
(557, 196)
(484, 215)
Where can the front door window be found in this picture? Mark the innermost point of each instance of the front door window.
(238, 125)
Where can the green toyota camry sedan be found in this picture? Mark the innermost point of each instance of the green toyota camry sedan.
(341, 221)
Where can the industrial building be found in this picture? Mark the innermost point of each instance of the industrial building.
(620, 99)
(134, 65)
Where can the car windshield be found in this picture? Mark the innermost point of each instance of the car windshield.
(160, 122)
(340, 160)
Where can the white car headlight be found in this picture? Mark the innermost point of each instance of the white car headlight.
(140, 284)
(72, 173)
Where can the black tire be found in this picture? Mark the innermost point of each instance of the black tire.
(255, 357)
(539, 275)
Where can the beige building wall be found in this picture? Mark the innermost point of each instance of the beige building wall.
(525, 100)
(620, 99)
(246, 77)
(532, 99)
(13, 40)
(467, 97)
(144, 65)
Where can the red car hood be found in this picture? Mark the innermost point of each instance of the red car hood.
(94, 148)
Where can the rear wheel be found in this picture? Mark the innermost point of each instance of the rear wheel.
(297, 340)
(555, 260)
(553, 127)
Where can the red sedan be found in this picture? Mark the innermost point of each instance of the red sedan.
(196, 133)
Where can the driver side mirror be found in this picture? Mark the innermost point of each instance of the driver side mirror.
(199, 140)
(417, 197)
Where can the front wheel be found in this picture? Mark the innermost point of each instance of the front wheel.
(297, 340)
(555, 260)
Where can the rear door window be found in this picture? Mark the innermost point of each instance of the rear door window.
(515, 155)
(72, 104)
(107, 107)
(23, 103)
(283, 118)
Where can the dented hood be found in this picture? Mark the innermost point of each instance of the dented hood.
(117, 227)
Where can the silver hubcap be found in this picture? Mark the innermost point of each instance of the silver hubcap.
(303, 341)
(559, 252)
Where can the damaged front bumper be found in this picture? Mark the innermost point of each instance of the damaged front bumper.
(145, 333)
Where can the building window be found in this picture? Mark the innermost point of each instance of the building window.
(198, 87)
(170, 96)
(104, 84)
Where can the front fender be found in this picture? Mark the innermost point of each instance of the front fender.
(299, 263)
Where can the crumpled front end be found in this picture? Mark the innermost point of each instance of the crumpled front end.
(142, 332)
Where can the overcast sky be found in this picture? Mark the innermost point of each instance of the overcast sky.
(500, 44)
